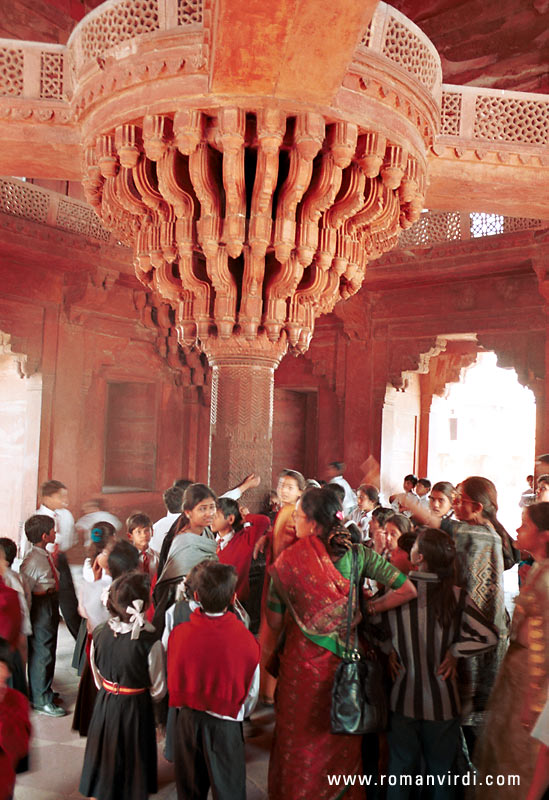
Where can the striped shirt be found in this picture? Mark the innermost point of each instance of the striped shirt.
(421, 644)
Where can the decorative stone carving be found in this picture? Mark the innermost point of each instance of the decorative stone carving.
(179, 189)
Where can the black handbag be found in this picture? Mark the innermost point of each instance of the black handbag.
(359, 702)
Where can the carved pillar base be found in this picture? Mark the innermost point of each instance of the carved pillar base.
(241, 422)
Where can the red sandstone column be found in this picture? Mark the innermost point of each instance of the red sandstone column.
(426, 399)
(241, 421)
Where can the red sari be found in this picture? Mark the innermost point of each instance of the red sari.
(304, 751)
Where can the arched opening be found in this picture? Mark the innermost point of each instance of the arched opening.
(485, 425)
(461, 415)
(20, 406)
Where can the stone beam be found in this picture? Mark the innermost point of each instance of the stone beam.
(290, 49)
(464, 182)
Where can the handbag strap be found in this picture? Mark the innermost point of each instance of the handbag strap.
(353, 588)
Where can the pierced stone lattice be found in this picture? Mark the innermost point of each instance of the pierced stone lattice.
(118, 24)
(406, 49)
(450, 114)
(511, 224)
(511, 120)
(431, 228)
(51, 75)
(11, 72)
(23, 201)
(189, 12)
(486, 225)
(79, 219)
(365, 41)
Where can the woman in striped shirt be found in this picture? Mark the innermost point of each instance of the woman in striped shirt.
(428, 635)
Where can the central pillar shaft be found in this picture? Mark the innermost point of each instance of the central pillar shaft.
(241, 421)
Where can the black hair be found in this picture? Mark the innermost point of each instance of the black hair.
(370, 491)
(425, 482)
(336, 489)
(173, 499)
(355, 532)
(10, 549)
(51, 487)
(37, 525)
(439, 551)
(138, 520)
(182, 484)
(215, 585)
(543, 479)
(297, 476)
(382, 515)
(323, 507)
(338, 465)
(124, 590)
(411, 479)
(194, 494)
(539, 515)
(227, 506)
(124, 557)
(6, 654)
(402, 522)
(446, 488)
(406, 541)
(100, 535)
(482, 490)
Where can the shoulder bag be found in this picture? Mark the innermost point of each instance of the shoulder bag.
(359, 702)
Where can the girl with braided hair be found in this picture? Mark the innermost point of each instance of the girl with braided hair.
(127, 663)
(308, 600)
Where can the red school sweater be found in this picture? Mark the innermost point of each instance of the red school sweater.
(211, 663)
(239, 551)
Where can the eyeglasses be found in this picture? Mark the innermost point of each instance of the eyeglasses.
(461, 499)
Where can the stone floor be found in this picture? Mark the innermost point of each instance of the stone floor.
(57, 752)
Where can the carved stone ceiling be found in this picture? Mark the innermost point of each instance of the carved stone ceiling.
(501, 44)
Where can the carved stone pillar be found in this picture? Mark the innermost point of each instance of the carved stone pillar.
(425, 401)
(241, 417)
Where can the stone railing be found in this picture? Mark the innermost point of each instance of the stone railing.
(434, 227)
(22, 199)
(32, 70)
(37, 71)
(115, 23)
(394, 36)
(494, 116)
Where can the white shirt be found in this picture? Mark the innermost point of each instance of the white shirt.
(65, 532)
(349, 501)
(161, 528)
(13, 580)
(362, 519)
(38, 571)
(223, 541)
(90, 602)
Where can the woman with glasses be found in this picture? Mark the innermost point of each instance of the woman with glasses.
(485, 550)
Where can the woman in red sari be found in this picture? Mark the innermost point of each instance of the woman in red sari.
(308, 597)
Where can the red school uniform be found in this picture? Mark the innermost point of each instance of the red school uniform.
(15, 730)
(239, 550)
(10, 615)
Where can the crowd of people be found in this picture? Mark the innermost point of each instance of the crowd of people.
(185, 625)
